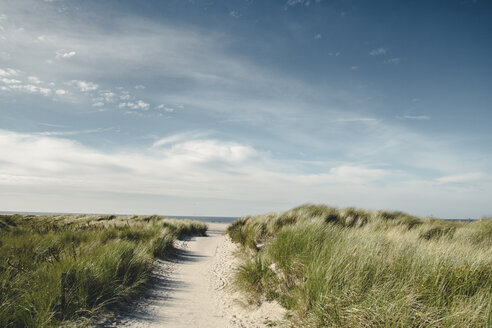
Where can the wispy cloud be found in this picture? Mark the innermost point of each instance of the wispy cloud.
(416, 117)
(84, 86)
(8, 72)
(355, 119)
(378, 51)
(106, 96)
(29, 88)
(298, 2)
(356, 174)
(17, 81)
(34, 79)
(181, 137)
(394, 60)
(63, 54)
(52, 125)
(73, 133)
(166, 108)
(465, 178)
(234, 13)
(9, 81)
(139, 104)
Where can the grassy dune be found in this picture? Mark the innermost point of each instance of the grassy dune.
(356, 268)
(105, 258)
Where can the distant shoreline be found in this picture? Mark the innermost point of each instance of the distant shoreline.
(218, 219)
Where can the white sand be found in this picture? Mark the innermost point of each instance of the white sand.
(194, 290)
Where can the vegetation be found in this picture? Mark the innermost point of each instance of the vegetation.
(104, 260)
(356, 268)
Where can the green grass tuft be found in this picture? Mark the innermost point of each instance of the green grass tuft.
(357, 268)
(105, 259)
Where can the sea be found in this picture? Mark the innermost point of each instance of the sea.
(218, 219)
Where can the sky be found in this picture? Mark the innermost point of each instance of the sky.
(241, 107)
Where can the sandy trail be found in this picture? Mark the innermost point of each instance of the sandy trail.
(193, 290)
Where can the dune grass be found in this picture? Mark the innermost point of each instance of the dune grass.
(105, 259)
(356, 268)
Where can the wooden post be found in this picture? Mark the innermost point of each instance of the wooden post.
(63, 291)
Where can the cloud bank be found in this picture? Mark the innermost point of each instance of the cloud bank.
(196, 166)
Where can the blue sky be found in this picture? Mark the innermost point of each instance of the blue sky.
(243, 107)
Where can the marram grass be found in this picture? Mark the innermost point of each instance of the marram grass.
(357, 268)
(105, 259)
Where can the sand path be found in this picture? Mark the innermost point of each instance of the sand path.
(193, 290)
